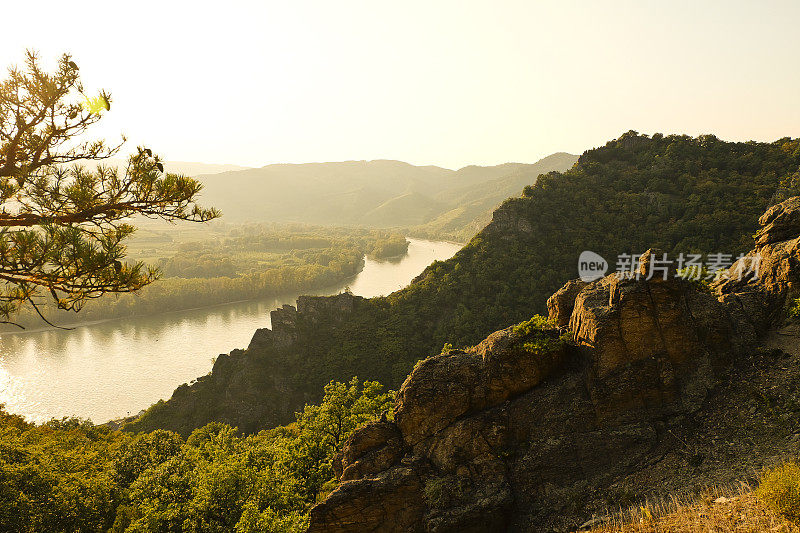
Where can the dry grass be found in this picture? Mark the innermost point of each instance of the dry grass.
(717, 510)
(780, 490)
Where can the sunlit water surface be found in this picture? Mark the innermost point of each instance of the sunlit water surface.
(115, 368)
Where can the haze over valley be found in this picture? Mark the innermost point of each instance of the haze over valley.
(370, 267)
(429, 200)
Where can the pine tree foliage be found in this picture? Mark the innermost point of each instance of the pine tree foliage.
(63, 226)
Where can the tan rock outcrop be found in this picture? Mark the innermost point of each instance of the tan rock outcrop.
(373, 449)
(441, 426)
(779, 223)
(759, 288)
(562, 302)
(390, 502)
(653, 344)
(284, 319)
(489, 428)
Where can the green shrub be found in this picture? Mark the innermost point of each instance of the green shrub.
(534, 324)
(780, 490)
(538, 334)
(794, 310)
(68, 475)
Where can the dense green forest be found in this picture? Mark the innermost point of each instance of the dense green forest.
(683, 194)
(226, 263)
(68, 475)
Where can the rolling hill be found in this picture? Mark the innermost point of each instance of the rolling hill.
(430, 200)
(187, 168)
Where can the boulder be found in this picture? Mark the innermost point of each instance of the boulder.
(781, 222)
(390, 502)
(652, 345)
(441, 389)
(561, 304)
(760, 287)
(370, 450)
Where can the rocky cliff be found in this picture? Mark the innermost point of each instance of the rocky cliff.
(310, 310)
(259, 387)
(538, 429)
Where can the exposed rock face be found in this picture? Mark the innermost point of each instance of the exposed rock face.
(445, 473)
(561, 304)
(252, 389)
(468, 382)
(501, 436)
(507, 221)
(653, 344)
(284, 319)
(352, 507)
(759, 287)
(505, 437)
(376, 447)
(283, 332)
(316, 306)
(780, 223)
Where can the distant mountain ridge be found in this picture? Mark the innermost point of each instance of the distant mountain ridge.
(379, 193)
(187, 168)
(190, 168)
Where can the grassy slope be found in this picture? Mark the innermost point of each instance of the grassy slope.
(713, 512)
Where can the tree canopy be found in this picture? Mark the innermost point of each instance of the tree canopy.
(69, 475)
(62, 226)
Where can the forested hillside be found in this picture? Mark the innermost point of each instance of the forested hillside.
(473, 204)
(679, 193)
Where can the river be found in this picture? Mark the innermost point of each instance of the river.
(115, 368)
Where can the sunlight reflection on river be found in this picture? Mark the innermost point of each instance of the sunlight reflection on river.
(114, 368)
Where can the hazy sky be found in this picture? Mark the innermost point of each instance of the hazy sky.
(449, 83)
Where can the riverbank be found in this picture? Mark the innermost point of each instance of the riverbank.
(108, 369)
(344, 283)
